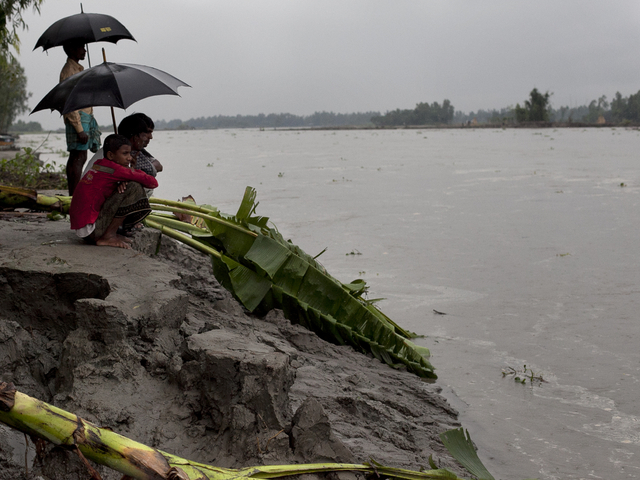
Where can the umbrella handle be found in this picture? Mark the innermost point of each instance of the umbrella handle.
(113, 114)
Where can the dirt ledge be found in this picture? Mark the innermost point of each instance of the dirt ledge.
(152, 347)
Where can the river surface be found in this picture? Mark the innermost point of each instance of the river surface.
(527, 240)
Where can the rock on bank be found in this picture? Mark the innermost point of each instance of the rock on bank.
(151, 346)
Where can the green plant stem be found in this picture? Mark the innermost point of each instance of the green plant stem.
(142, 462)
(170, 232)
(187, 205)
(198, 213)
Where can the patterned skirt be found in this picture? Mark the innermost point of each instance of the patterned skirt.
(132, 204)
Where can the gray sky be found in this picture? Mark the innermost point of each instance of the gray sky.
(302, 56)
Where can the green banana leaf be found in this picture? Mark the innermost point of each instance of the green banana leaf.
(462, 449)
(265, 271)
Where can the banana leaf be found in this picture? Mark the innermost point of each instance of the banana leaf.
(139, 461)
(463, 450)
(265, 272)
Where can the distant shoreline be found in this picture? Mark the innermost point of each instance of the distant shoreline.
(540, 125)
(463, 127)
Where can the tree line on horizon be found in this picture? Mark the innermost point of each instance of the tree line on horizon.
(272, 120)
(423, 114)
(535, 110)
(620, 111)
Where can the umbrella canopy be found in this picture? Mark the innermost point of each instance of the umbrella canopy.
(110, 85)
(88, 27)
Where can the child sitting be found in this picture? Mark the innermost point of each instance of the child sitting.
(101, 203)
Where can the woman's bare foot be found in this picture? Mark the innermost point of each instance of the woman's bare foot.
(112, 242)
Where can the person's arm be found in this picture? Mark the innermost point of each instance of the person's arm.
(153, 161)
(73, 117)
(127, 175)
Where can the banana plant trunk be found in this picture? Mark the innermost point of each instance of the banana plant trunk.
(138, 461)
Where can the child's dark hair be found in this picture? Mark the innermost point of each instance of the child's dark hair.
(113, 143)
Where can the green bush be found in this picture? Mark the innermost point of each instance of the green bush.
(26, 170)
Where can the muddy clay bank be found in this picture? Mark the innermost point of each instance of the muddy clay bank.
(151, 346)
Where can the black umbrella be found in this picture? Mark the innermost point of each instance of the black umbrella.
(87, 27)
(111, 85)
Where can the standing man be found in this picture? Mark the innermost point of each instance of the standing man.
(81, 127)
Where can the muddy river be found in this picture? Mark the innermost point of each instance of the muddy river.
(527, 243)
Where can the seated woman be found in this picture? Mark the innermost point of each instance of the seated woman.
(102, 202)
(144, 160)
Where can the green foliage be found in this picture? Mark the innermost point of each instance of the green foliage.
(13, 91)
(423, 114)
(25, 170)
(11, 21)
(536, 109)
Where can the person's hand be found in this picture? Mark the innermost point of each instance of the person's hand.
(83, 138)
(122, 186)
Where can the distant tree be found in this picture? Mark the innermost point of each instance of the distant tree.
(423, 114)
(563, 111)
(625, 109)
(618, 107)
(536, 109)
(596, 109)
(24, 127)
(632, 112)
(13, 83)
(13, 91)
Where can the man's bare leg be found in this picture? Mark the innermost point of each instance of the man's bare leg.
(77, 159)
(111, 238)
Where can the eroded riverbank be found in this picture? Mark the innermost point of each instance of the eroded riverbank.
(156, 350)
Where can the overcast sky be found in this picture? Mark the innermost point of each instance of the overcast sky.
(299, 56)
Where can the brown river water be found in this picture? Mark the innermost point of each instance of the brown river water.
(527, 240)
